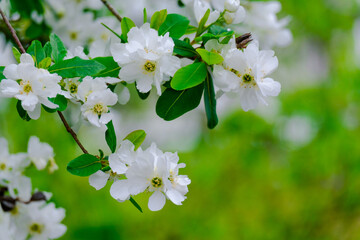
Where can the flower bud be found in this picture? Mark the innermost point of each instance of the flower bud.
(232, 5)
(229, 17)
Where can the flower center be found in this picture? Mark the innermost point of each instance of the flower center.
(149, 66)
(73, 35)
(2, 166)
(247, 78)
(156, 182)
(26, 87)
(36, 228)
(99, 109)
(73, 88)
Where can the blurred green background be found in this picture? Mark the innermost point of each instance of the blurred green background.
(251, 179)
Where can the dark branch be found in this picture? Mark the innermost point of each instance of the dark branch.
(112, 10)
(13, 32)
(73, 134)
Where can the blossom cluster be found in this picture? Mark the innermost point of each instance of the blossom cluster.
(151, 170)
(24, 213)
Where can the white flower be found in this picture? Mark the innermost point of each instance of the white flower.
(96, 110)
(155, 172)
(11, 162)
(39, 220)
(6, 229)
(200, 8)
(244, 72)
(6, 54)
(19, 186)
(146, 59)
(118, 161)
(88, 86)
(34, 88)
(262, 22)
(40, 153)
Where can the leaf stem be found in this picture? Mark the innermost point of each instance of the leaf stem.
(68, 128)
(111, 9)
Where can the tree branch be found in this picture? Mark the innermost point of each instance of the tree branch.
(13, 32)
(68, 128)
(73, 134)
(112, 10)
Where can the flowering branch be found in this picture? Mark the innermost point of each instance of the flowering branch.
(112, 10)
(68, 128)
(12, 30)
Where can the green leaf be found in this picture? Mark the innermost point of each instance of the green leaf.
(210, 57)
(137, 137)
(26, 7)
(126, 25)
(36, 50)
(45, 63)
(189, 76)
(202, 23)
(1, 73)
(110, 136)
(84, 165)
(190, 30)
(210, 102)
(16, 53)
(58, 49)
(172, 104)
(76, 67)
(158, 18)
(59, 100)
(145, 15)
(184, 49)
(112, 68)
(175, 24)
(22, 113)
(136, 204)
(48, 49)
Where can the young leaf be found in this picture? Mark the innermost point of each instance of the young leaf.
(172, 104)
(145, 15)
(126, 25)
(210, 102)
(112, 68)
(59, 100)
(189, 76)
(1, 73)
(58, 49)
(37, 51)
(190, 30)
(76, 67)
(48, 49)
(135, 204)
(136, 137)
(22, 113)
(158, 18)
(45, 63)
(175, 24)
(184, 49)
(16, 53)
(210, 57)
(84, 165)
(110, 136)
(202, 23)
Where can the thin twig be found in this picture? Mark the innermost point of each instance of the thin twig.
(13, 33)
(68, 128)
(73, 134)
(112, 10)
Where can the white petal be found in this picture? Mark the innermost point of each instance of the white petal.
(175, 196)
(99, 179)
(123, 94)
(116, 164)
(35, 114)
(269, 87)
(119, 190)
(156, 201)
